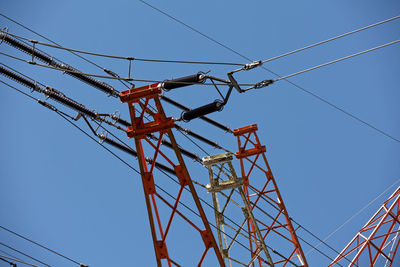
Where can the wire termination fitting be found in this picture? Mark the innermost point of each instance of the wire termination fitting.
(263, 84)
(252, 65)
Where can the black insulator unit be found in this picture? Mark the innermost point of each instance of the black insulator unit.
(69, 102)
(183, 81)
(179, 105)
(89, 80)
(123, 122)
(217, 105)
(18, 78)
(26, 48)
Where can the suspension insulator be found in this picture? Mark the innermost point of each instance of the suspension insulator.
(68, 102)
(89, 80)
(49, 60)
(26, 48)
(19, 78)
(183, 81)
(217, 105)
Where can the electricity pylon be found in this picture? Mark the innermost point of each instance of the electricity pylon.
(377, 241)
(160, 220)
(266, 202)
(228, 196)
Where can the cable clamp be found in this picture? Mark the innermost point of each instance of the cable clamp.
(51, 89)
(263, 84)
(252, 65)
(65, 68)
(36, 88)
(103, 136)
(3, 32)
(47, 105)
(110, 72)
(116, 116)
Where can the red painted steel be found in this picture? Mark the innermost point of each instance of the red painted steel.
(138, 100)
(277, 227)
(377, 242)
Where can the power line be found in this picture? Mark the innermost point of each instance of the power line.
(124, 57)
(274, 73)
(38, 34)
(337, 60)
(22, 253)
(9, 262)
(108, 77)
(5, 252)
(356, 214)
(330, 39)
(42, 246)
(17, 260)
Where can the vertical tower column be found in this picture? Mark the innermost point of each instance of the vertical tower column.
(234, 198)
(160, 219)
(266, 201)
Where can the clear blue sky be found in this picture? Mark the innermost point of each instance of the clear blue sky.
(61, 189)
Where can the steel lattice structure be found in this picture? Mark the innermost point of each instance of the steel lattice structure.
(276, 225)
(377, 241)
(138, 100)
(225, 183)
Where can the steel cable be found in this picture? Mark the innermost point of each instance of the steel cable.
(124, 57)
(22, 253)
(336, 60)
(274, 73)
(331, 39)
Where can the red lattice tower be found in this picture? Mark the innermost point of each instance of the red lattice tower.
(266, 202)
(377, 242)
(161, 221)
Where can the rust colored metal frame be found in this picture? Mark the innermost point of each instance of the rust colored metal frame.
(138, 100)
(378, 239)
(277, 227)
